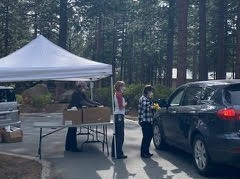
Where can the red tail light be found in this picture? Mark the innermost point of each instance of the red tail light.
(228, 114)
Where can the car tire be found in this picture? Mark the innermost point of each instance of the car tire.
(158, 136)
(201, 157)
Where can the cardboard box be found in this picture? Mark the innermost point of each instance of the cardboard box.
(13, 136)
(96, 114)
(72, 117)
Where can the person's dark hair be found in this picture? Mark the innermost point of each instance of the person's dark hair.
(147, 89)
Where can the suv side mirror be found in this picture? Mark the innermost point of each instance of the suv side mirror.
(162, 103)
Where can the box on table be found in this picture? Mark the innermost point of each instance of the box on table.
(72, 116)
(96, 114)
(13, 136)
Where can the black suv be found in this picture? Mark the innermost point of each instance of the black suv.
(202, 118)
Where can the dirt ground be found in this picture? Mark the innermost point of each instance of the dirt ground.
(19, 168)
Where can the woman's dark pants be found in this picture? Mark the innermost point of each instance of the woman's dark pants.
(71, 139)
(119, 135)
(147, 132)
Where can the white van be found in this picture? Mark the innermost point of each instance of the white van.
(9, 113)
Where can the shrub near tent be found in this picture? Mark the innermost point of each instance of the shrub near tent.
(132, 94)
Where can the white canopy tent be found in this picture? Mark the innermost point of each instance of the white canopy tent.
(43, 60)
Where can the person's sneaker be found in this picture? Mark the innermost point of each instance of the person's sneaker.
(75, 150)
(122, 157)
(67, 149)
(150, 154)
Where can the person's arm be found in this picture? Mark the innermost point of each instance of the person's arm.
(88, 102)
(93, 102)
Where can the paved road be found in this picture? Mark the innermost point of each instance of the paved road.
(93, 164)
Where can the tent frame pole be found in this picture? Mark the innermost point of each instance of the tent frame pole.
(114, 128)
(91, 84)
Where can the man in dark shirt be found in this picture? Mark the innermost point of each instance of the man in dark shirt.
(78, 100)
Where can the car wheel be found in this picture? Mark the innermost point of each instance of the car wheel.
(200, 156)
(158, 136)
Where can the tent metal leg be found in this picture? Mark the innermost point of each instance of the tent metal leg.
(114, 128)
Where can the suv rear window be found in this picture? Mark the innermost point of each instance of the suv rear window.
(232, 94)
(7, 95)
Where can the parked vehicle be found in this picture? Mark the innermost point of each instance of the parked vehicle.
(202, 118)
(9, 113)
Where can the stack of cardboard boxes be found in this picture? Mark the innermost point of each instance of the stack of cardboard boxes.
(15, 135)
(87, 115)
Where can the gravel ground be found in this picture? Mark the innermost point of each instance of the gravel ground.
(19, 168)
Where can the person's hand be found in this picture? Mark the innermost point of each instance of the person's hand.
(156, 106)
(125, 104)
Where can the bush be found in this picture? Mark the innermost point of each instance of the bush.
(19, 98)
(132, 94)
(162, 92)
(103, 96)
(41, 101)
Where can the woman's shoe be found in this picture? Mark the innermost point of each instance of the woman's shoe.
(150, 154)
(75, 150)
(145, 156)
(122, 157)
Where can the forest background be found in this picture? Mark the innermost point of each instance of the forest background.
(143, 40)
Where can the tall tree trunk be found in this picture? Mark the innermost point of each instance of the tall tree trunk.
(142, 59)
(203, 67)
(6, 30)
(123, 49)
(98, 37)
(195, 63)
(170, 41)
(182, 13)
(114, 48)
(130, 76)
(237, 67)
(62, 41)
(221, 70)
(63, 24)
(35, 17)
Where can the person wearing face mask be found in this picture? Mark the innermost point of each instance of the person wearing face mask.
(145, 117)
(119, 112)
(78, 100)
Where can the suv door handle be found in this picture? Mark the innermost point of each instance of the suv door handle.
(173, 112)
(192, 112)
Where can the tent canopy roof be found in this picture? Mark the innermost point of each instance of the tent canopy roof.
(43, 60)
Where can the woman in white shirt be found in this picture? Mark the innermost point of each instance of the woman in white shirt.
(119, 112)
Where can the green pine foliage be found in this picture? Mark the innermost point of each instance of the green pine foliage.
(132, 94)
(129, 34)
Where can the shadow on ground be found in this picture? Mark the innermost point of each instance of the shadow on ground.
(120, 170)
(183, 161)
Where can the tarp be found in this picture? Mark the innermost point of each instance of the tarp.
(43, 60)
